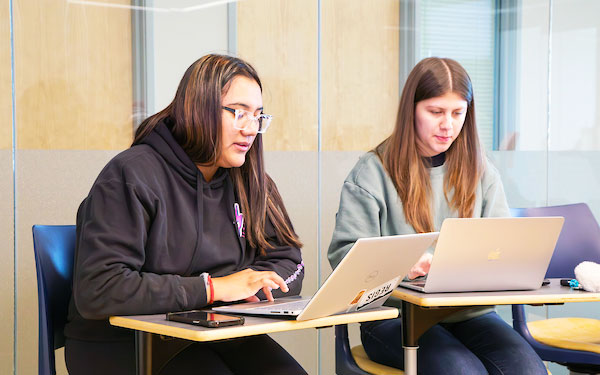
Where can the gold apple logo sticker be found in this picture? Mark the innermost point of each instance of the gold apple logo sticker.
(494, 255)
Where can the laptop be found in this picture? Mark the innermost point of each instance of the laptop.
(490, 254)
(364, 279)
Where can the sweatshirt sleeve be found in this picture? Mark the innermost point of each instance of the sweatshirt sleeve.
(112, 227)
(494, 198)
(358, 216)
(285, 260)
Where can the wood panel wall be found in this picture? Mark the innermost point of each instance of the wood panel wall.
(359, 82)
(73, 78)
(279, 38)
(360, 65)
(73, 75)
(5, 79)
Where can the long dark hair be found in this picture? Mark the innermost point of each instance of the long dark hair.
(195, 113)
(430, 78)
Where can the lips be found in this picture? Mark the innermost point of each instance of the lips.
(242, 146)
(443, 139)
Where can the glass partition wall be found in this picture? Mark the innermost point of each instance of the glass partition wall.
(7, 214)
(81, 75)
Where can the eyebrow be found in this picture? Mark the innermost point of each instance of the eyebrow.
(245, 106)
(441, 107)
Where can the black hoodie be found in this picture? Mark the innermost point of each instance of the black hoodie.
(149, 226)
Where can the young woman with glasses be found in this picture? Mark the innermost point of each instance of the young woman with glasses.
(431, 167)
(185, 218)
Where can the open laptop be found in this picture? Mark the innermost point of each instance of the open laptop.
(490, 254)
(364, 279)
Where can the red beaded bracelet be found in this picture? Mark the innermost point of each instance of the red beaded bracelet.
(212, 290)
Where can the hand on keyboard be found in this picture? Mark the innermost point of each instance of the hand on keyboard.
(245, 284)
(422, 266)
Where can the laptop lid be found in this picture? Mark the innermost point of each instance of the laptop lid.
(490, 254)
(364, 279)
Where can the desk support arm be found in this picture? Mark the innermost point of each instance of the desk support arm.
(416, 320)
(143, 360)
(155, 351)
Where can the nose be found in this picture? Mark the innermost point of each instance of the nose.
(447, 122)
(251, 130)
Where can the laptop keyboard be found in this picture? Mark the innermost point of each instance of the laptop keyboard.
(417, 281)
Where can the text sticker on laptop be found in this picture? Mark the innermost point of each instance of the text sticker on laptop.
(377, 294)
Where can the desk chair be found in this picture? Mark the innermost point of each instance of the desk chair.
(355, 361)
(53, 246)
(54, 249)
(571, 342)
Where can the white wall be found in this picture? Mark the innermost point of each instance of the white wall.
(532, 76)
(575, 112)
(179, 33)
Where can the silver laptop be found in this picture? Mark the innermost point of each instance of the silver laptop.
(490, 254)
(364, 279)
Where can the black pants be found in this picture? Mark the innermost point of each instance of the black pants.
(248, 355)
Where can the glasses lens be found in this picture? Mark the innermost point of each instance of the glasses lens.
(244, 121)
(263, 123)
(260, 122)
(241, 120)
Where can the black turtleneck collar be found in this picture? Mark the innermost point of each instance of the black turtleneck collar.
(436, 160)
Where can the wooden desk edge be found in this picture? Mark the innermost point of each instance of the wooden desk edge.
(439, 300)
(251, 329)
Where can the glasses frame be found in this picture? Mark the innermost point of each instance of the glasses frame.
(253, 119)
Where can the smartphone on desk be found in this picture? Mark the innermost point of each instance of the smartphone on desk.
(205, 318)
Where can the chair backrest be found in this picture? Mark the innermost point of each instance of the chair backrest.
(54, 248)
(579, 239)
(344, 361)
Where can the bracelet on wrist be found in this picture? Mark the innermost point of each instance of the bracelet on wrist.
(212, 290)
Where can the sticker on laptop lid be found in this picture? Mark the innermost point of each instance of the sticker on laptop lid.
(378, 293)
(357, 298)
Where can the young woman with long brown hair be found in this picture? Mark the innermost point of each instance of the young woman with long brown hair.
(431, 167)
(185, 218)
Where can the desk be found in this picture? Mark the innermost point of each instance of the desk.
(147, 325)
(421, 311)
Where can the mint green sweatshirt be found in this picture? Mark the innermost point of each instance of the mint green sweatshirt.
(370, 207)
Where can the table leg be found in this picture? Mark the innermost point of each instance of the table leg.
(409, 339)
(410, 360)
(143, 350)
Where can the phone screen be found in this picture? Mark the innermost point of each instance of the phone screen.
(205, 318)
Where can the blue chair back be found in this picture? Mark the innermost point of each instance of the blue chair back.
(579, 239)
(54, 248)
(344, 361)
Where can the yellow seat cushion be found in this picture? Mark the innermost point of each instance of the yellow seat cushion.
(363, 361)
(568, 333)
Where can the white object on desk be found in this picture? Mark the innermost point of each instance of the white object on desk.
(588, 275)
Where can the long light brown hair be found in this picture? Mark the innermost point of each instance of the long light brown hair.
(430, 78)
(196, 116)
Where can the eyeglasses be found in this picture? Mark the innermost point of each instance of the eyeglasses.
(244, 120)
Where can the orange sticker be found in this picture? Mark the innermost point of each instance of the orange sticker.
(357, 298)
